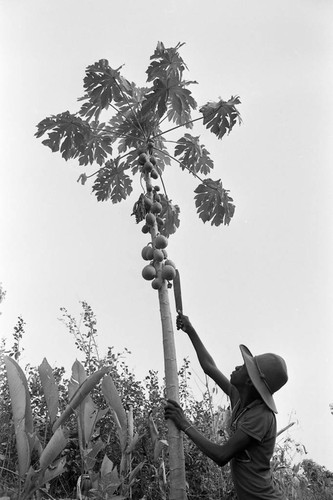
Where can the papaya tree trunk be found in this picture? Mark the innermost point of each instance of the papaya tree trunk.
(177, 481)
(175, 439)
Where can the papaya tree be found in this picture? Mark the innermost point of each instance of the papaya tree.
(130, 143)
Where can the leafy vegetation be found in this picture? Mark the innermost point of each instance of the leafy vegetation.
(135, 126)
(113, 444)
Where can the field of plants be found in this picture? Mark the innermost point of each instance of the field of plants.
(101, 433)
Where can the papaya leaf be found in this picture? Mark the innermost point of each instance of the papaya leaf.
(103, 85)
(166, 63)
(170, 94)
(139, 209)
(112, 182)
(50, 389)
(22, 417)
(156, 100)
(213, 203)
(98, 147)
(112, 398)
(65, 132)
(76, 138)
(220, 117)
(180, 103)
(170, 216)
(128, 129)
(193, 155)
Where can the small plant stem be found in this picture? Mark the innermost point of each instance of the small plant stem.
(177, 126)
(285, 428)
(180, 163)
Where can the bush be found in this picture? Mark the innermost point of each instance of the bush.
(143, 402)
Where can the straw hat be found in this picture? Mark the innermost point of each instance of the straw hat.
(268, 373)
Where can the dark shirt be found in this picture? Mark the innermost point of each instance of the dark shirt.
(250, 469)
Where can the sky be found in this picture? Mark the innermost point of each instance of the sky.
(266, 279)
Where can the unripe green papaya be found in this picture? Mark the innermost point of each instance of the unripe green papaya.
(149, 272)
(168, 272)
(150, 219)
(161, 241)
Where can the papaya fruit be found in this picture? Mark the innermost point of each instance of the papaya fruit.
(150, 219)
(161, 241)
(156, 207)
(157, 283)
(168, 272)
(143, 157)
(149, 272)
(158, 255)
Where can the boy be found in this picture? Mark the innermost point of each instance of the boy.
(251, 445)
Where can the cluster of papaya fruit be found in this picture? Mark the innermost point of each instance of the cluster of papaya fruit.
(160, 267)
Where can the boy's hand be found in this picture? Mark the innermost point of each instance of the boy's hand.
(174, 412)
(183, 323)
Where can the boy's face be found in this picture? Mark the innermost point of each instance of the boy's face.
(239, 376)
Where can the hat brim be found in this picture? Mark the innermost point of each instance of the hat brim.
(257, 381)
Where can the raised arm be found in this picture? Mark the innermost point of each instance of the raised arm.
(205, 359)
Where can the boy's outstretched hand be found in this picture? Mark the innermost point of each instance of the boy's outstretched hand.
(183, 322)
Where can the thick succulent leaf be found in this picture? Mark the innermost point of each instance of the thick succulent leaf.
(166, 62)
(57, 469)
(134, 473)
(220, 117)
(81, 393)
(78, 376)
(35, 479)
(54, 447)
(170, 216)
(22, 418)
(154, 436)
(214, 203)
(112, 398)
(193, 155)
(50, 389)
(103, 85)
(87, 413)
(90, 452)
(112, 183)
